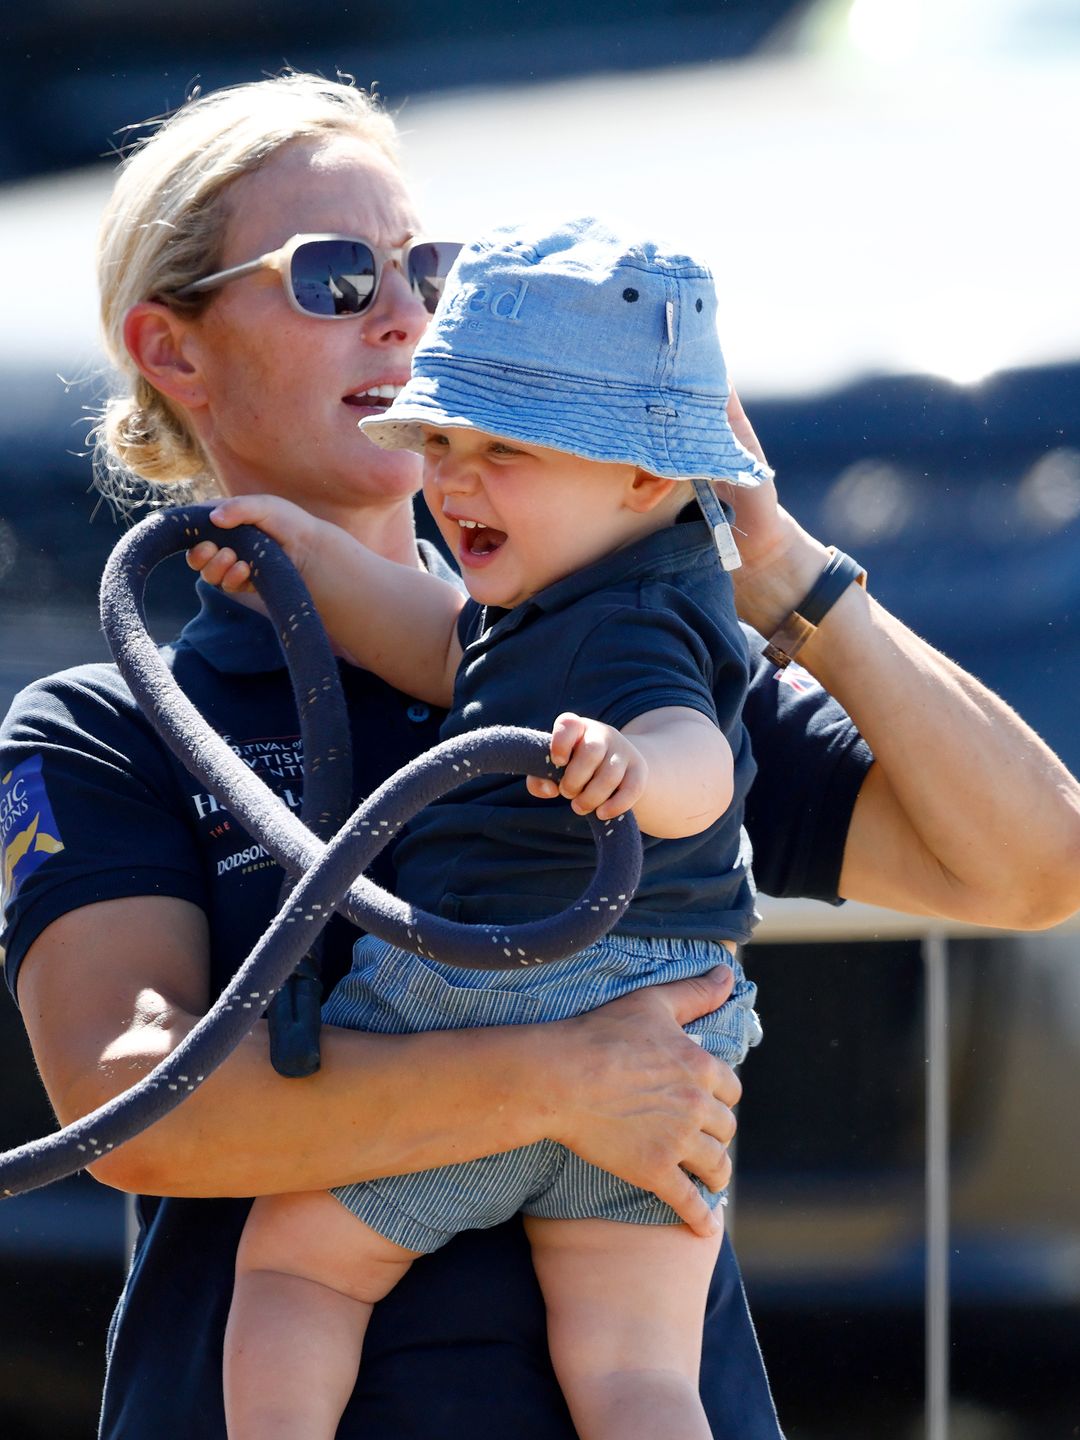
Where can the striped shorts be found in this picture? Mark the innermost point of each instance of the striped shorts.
(392, 992)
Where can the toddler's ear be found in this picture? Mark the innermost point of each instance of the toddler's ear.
(646, 491)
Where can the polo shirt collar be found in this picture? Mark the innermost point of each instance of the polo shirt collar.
(231, 636)
(686, 543)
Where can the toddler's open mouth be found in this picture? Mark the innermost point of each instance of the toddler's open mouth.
(480, 540)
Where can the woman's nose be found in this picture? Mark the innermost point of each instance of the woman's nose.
(398, 316)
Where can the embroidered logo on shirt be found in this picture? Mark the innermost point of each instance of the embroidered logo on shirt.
(28, 830)
(278, 761)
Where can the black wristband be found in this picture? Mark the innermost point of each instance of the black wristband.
(840, 571)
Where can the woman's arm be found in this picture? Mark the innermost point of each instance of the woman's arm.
(622, 1085)
(965, 813)
(400, 623)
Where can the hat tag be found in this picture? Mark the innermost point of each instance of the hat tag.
(669, 313)
(723, 539)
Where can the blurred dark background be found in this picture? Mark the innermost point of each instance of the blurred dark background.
(78, 71)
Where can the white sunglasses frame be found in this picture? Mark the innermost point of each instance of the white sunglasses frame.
(280, 260)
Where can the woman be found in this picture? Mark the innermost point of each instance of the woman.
(117, 942)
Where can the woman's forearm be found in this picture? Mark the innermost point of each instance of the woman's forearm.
(966, 812)
(378, 1105)
(109, 990)
(622, 1086)
(995, 814)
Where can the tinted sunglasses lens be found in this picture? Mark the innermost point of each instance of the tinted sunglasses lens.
(429, 265)
(333, 277)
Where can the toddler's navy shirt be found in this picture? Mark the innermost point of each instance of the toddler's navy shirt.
(651, 625)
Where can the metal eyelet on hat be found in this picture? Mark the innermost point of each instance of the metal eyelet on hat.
(630, 294)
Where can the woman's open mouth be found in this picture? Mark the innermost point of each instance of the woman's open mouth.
(376, 399)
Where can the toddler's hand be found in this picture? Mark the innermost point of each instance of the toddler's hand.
(603, 771)
(218, 565)
(293, 528)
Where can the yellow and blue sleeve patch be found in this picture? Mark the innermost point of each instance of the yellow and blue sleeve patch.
(28, 830)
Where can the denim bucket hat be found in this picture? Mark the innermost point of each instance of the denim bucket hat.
(577, 340)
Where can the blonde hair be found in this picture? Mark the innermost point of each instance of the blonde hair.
(164, 227)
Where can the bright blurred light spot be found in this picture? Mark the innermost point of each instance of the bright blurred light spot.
(1049, 494)
(893, 32)
(870, 500)
(888, 30)
(959, 357)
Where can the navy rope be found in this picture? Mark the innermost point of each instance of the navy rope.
(325, 874)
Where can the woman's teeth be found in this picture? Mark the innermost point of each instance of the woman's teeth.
(378, 394)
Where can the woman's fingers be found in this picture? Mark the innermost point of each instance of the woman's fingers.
(710, 1162)
(699, 995)
(741, 427)
(690, 1205)
(639, 1098)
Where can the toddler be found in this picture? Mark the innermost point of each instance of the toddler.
(569, 400)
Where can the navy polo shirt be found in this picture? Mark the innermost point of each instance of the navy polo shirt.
(648, 626)
(459, 1347)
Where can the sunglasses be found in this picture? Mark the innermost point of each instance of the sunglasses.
(335, 277)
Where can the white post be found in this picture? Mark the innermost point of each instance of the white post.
(935, 951)
(131, 1230)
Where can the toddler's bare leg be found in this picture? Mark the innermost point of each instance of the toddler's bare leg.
(626, 1306)
(307, 1275)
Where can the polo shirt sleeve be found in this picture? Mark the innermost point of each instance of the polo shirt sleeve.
(811, 762)
(87, 797)
(636, 659)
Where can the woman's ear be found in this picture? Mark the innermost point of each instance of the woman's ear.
(646, 491)
(155, 338)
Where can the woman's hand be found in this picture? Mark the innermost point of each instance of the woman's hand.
(632, 1093)
(780, 561)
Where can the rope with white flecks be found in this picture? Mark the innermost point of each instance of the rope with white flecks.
(325, 874)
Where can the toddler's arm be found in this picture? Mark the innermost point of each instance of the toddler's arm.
(673, 767)
(397, 622)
